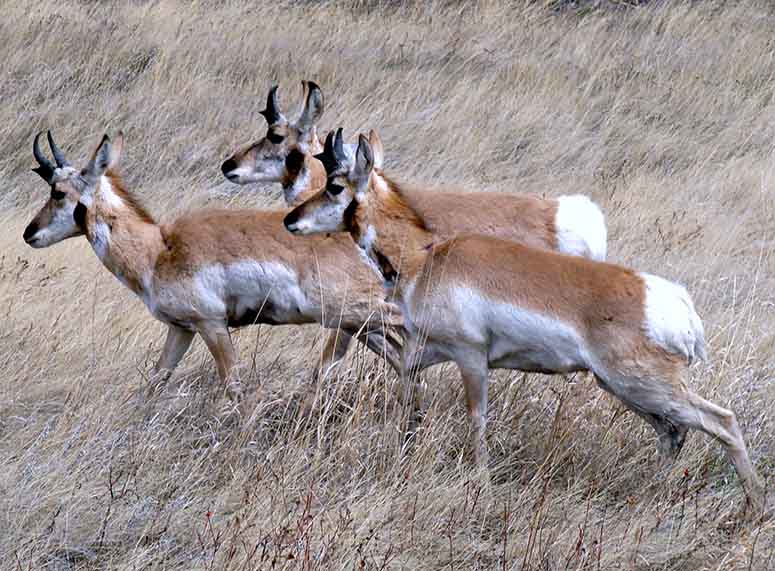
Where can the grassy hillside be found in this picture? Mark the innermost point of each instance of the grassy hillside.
(663, 113)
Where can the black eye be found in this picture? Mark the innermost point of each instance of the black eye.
(275, 137)
(57, 195)
(334, 189)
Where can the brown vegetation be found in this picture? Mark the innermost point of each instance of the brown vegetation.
(662, 113)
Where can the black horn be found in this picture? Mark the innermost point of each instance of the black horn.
(341, 158)
(59, 156)
(272, 112)
(45, 169)
(328, 156)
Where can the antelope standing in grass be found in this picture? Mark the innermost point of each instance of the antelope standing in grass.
(487, 303)
(570, 224)
(209, 270)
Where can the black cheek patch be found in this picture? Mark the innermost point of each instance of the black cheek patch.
(79, 215)
(274, 137)
(294, 161)
(334, 189)
(349, 215)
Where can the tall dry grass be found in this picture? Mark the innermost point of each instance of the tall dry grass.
(663, 114)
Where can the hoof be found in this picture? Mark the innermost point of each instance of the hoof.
(234, 392)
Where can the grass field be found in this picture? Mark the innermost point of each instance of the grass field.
(663, 113)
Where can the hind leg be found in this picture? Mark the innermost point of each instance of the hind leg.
(474, 370)
(335, 347)
(722, 425)
(381, 342)
(649, 406)
(670, 437)
(673, 409)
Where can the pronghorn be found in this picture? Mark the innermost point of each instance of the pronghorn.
(264, 160)
(570, 224)
(487, 303)
(209, 270)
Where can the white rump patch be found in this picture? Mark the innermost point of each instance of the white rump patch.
(581, 229)
(671, 321)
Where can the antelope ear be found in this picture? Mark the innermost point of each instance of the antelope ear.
(99, 161)
(376, 149)
(116, 151)
(313, 107)
(364, 158)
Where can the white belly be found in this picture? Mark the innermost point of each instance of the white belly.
(241, 293)
(512, 337)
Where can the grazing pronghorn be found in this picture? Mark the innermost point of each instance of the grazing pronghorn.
(209, 270)
(487, 303)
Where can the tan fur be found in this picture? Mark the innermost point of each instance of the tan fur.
(525, 219)
(162, 265)
(484, 302)
(268, 153)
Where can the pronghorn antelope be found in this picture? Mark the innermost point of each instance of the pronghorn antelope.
(210, 270)
(569, 224)
(487, 303)
(264, 160)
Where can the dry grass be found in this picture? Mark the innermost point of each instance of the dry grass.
(664, 114)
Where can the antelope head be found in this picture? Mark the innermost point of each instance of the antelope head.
(72, 191)
(264, 160)
(333, 208)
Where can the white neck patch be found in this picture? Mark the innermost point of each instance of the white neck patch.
(108, 194)
(292, 192)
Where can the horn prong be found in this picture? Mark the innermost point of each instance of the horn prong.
(328, 157)
(272, 112)
(59, 156)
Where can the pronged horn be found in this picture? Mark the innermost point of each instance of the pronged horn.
(329, 157)
(45, 168)
(341, 158)
(59, 156)
(272, 113)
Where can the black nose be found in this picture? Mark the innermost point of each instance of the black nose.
(30, 231)
(228, 166)
(290, 219)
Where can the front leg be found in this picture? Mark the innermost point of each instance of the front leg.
(175, 346)
(385, 344)
(218, 340)
(336, 345)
